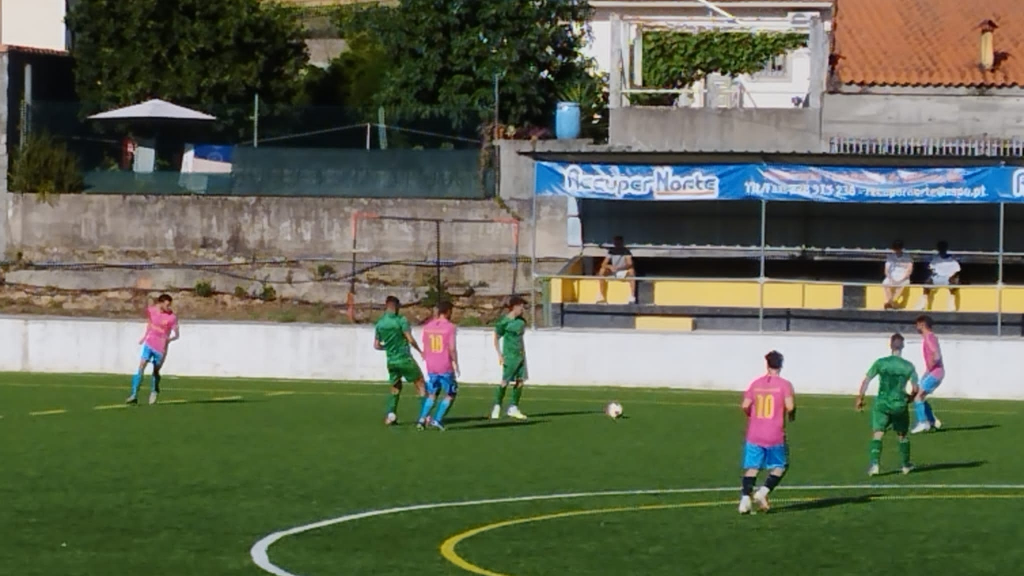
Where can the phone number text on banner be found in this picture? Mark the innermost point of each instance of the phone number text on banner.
(973, 185)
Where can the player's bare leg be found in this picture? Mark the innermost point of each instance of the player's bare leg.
(513, 408)
(749, 480)
(602, 284)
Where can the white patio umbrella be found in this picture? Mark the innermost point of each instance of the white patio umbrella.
(153, 110)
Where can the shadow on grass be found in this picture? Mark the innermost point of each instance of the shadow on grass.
(938, 467)
(968, 428)
(464, 419)
(499, 424)
(822, 503)
(172, 403)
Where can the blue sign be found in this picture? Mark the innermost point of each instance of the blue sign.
(782, 182)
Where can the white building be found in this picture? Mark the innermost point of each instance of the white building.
(784, 83)
(37, 24)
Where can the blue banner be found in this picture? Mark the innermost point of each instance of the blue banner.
(975, 185)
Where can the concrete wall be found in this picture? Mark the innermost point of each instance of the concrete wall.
(883, 116)
(715, 130)
(976, 368)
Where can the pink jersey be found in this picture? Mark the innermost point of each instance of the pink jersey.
(438, 343)
(159, 328)
(767, 423)
(932, 356)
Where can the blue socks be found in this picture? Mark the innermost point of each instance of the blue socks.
(442, 409)
(928, 411)
(136, 382)
(921, 411)
(428, 403)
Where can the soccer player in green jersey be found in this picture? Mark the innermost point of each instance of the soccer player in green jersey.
(393, 335)
(508, 343)
(890, 409)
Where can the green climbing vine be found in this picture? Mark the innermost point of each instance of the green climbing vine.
(678, 59)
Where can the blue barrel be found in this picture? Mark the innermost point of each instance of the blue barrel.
(567, 120)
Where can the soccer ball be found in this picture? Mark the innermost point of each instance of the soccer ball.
(613, 410)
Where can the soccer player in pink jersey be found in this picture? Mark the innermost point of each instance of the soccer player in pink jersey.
(767, 403)
(934, 372)
(161, 329)
(442, 360)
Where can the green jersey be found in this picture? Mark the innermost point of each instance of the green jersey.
(511, 331)
(893, 374)
(390, 332)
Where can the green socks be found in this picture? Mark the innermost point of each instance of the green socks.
(905, 451)
(517, 393)
(392, 403)
(876, 451)
(499, 395)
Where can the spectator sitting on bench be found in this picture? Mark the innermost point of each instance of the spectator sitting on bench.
(945, 271)
(618, 263)
(898, 267)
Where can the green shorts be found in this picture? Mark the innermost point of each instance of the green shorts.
(514, 370)
(407, 370)
(897, 420)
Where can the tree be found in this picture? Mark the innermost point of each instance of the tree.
(443, 56)
(213, 55)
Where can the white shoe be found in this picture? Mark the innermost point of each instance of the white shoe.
(937, 424)
(873, 470)
(600, 300)
(496, 412)
(761, 498)
(921, 427)
(632, 300)
(907, 469)
(745, 505)
(390, 419)
(152, 398)
(513, 412)
(132, 400)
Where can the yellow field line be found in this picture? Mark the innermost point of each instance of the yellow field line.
(48, 412)
(175, 401)
(281, 393)
(226, 399)
(110, 407)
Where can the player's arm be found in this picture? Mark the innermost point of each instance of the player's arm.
(453, 353)
(872, 372)
(407, 331)
(936, 358)
(748, 402)
(498, 333)
(377, 344)
(790, 402)
(175, 333)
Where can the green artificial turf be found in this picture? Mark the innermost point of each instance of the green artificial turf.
(188, 488)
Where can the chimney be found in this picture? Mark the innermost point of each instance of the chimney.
(988, 51)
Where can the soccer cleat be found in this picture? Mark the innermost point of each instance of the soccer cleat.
(761, 498)
(745, 505)
(907, 469)
(937, 425)
(496, 412)
(513, 412)
(390, 419)
(436, 425)
(873, 470)
(132, 400)
(921, 427)
(421, 425)
(152, 398)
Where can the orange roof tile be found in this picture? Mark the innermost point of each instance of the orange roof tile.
(926, 42)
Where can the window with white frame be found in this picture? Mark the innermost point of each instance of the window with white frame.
(776, 68)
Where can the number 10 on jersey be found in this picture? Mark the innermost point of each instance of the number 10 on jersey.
(764, 406)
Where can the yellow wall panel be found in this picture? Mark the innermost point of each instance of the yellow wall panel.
(618, 291)
(664, 323)
(1013, 300)
(823, 296)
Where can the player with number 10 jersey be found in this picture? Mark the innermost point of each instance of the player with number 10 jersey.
(767, 402)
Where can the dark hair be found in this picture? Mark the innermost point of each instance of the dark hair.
(392, 302)
(515, 301)
(896, 341)
(444, 307)
(774, 360)
(897, 245)
(165, 298)
(924, 319)
(618, 240)
(942, 247)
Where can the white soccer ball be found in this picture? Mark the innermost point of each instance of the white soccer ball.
(613, 410)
